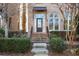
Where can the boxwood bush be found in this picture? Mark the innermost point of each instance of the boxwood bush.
(57, 44)
(14, 45)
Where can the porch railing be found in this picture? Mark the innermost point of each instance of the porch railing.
(31, 31)
(47, 30)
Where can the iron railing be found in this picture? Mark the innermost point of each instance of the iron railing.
(47, 30)
(31, 31)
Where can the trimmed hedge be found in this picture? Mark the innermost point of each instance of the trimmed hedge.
(57, 44)
(15, 45)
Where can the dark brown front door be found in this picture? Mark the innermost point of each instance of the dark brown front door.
(39, 24)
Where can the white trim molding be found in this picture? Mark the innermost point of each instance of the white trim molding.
(26, 17)
(21, 11)
(1, 21)
(39, 16)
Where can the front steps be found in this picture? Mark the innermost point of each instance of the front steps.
(39, 44)
(39, 37)
(39, 49)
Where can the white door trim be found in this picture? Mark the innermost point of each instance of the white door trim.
(39, 16)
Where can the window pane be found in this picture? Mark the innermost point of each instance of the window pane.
(56, 24)
(51, 15)
(65, 25)
(66, 13)
(69, 24)
(50, 24)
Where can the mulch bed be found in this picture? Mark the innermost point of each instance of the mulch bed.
(65, 53)
(30, 54)
(15, 54)
(60, 54)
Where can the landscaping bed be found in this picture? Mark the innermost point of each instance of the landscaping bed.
(15, 54)
(65, 53)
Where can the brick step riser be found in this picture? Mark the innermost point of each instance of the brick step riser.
(39, 35)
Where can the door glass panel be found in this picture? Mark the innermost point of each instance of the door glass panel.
(39, 22)
(39, 18)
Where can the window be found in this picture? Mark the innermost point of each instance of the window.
(67, 21)
(56, 24)
(51, 24)
(54, 21)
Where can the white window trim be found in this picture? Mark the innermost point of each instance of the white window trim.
(59, 30)
(54, 24)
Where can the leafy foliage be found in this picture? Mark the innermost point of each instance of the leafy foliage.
(57, 44)
(14, 45)
(77, 51)
(2, 32)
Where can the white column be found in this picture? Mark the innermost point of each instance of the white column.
(35, 23)
(21, 11)
(44, 20)
(1, 21)
(27, 17)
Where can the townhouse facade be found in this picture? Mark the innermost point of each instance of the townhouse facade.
(38, 19)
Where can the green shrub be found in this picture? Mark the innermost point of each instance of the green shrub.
(2, 32)
(14, 45)
(57, 44)
(54, 34)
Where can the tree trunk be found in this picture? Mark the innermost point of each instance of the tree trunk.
(6, 30)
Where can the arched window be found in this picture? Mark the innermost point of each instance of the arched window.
(53, 21)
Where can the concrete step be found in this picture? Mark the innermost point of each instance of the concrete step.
(40, 40)
(39, 49)
(41, 55)
(39, 36)
(39, 45)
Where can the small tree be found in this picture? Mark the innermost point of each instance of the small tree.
(7, 12)
(74, 22)
(4, 15)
